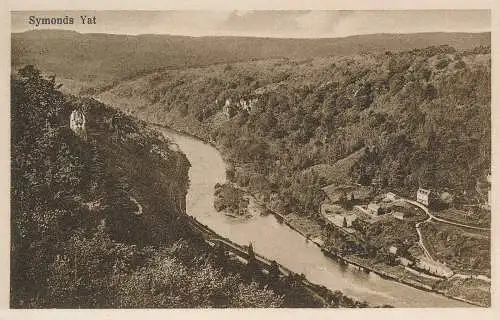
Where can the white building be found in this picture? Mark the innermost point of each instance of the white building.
(423, 196)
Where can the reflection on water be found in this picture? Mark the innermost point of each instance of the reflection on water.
(273, 239)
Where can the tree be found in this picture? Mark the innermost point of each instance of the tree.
(343, 199)
(230, 173)
(76, 246)
(168, 283)
(274, 272)
(221, 256)
(251, 253)
(184, 111)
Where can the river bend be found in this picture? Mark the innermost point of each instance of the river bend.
(277, 241)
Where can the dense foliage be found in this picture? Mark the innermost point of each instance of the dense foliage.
(84, 60)
(230, 199)
(421, 117)
(289, 125)
(78, 238)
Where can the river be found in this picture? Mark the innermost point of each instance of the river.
(277, 241)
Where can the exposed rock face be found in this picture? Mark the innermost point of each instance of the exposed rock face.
(249, 104)
(77, 123)
(230, 108)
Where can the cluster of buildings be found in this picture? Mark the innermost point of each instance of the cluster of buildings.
(335, 213)
(337, 195)
(338, 216)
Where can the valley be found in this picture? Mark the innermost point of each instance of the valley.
(335, 137)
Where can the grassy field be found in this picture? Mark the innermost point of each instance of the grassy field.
(339, 171)
(477, 217)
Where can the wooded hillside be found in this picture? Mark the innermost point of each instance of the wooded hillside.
(95, 61)
(96, 220)
(422, 117)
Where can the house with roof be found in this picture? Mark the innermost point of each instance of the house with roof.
(423, 196)
(374, 209)
(337, 216)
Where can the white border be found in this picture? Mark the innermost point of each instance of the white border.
(240, 5)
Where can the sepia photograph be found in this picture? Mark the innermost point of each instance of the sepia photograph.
(178, 159)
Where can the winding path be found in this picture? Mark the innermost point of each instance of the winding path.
(420, 238)
(426, 210)
(431, 217)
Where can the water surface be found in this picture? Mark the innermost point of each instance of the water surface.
(278, 242)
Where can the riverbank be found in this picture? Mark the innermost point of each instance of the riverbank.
(303, 228)
(327, 297)
(398, 273)
(299, 229)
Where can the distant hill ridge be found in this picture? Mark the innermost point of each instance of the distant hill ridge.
(96, 59)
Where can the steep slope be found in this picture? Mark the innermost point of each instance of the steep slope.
(337, 173)
(96, 214)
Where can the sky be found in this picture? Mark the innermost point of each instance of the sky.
(287, 24)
